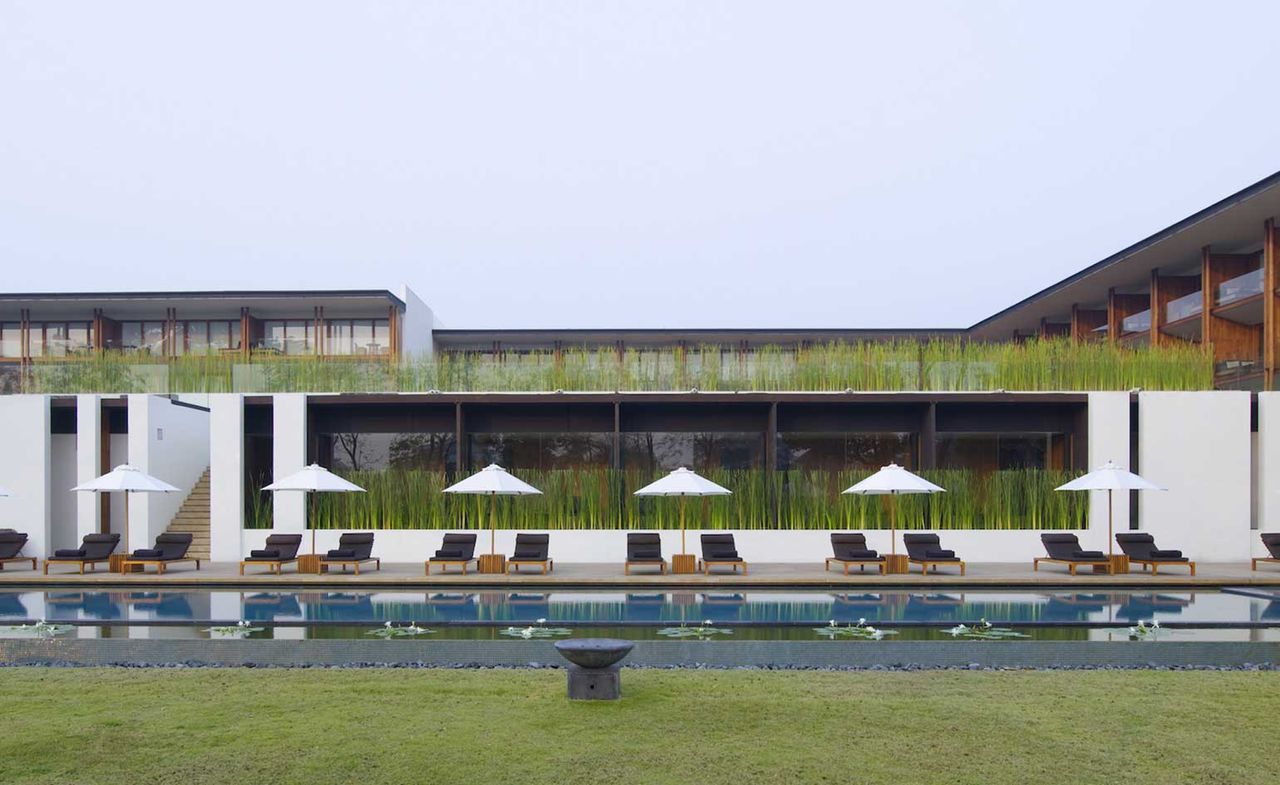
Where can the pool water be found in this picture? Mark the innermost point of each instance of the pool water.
(1232, 614)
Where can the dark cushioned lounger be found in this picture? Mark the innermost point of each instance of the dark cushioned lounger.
(644, 549)
(850, 548)
(531, 549)
(458, 549)
(279, 550)
(1064, 548)
(94, 548)
(1141, 548)
(11, 544)
(171, 548)
(354, 549)
(1271, 540)
(925, 549)
(719, 550)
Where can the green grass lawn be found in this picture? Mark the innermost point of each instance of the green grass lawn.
(436, 726)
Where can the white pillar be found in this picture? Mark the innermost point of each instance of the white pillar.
(25, 468)
(139, 504)
(289, 454)
(226, 476)
(88, 463)
(1108, 441)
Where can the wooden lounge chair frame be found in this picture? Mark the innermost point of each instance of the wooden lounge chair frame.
(877, 562)
(1260, 560)
(1126, 542)
(1072, 563)
(927, 563)
(275, 566)
(79, 562)
(660, 562)
(161, 565)
(1156, 564)
(847, 540)
(1272, 542)
(706, 564)
(13, 559)
(326, 563)
(537, 540)
(469, 541)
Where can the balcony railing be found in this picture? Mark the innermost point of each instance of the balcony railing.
(1240, 287)
(1139, 322)
(1184, 307)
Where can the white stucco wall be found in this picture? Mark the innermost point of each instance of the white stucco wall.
(1267, 486)
(171, 442)
(226, 476)
(88, 464)
(419, 321)
(1197, 444)
(1109, 427)
(25, 469)
(289, 454)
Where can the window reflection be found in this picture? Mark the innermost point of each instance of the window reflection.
(541, 450)
(656, 452)
(998, 451)
(379, 451)
(839, 451)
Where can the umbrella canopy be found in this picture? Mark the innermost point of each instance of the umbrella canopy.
(126, 478)
(895, 480)
(316, 479)
(1110, 478)
(683, 482)
(493, 480)
(891, 481)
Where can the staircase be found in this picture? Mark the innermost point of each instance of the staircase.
(193, 518)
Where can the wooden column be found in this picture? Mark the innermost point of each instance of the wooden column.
(460, 438)
(1120, 306)
(1050, 329)
(1270, 306)
(927, 457)
(1164, 289)
(1084, 321)
(245, 328)
(1230, 340)
(771, 462)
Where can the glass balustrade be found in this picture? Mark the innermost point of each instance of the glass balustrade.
(1240, 287)
(1136, 323)
(1184, 307)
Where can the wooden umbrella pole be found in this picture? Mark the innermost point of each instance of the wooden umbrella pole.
(126, 522)
(310, 523)
(1111, 551)
(493, 523)
(893, 525)
(683, 550)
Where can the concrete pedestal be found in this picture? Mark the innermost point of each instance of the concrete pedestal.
(595, 684)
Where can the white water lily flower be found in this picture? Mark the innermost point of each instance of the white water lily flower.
(1155, 623)
(542, 621)
(862, 621)
(831, 622)
(707, 623)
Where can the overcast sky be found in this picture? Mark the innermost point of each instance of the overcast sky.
(643, 164)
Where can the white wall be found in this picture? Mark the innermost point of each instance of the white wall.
(25, 469)
(1108, 441)
(419, 320)
(119, 455)
(226, 476)
(63, 501)
(88, 464)
(1197, 444)
(171, 442)
(289, 454)
(1267, 487)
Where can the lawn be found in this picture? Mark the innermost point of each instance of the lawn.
(423, 726)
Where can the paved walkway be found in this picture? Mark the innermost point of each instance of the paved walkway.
(980, 575)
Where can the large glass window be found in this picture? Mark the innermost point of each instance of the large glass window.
(352, 451)
(11, 339)
(205, 337)
(58, 339)
(999, 451)
(357, 336)
(839, 451)
(289, 336)
(655, 452)
(145, 337)
(541, 450)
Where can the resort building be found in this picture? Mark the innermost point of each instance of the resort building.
(1161, 357)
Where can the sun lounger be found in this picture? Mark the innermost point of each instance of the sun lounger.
(1141, 548)
(11, 544)
(925, 549)
(644, 549)
(457, 549)
(280, 549)
(94, 548)
(850, 548)
(354, 549)
(1272, 541)
(718, 550)
(171, 548)
(531, 549)
(1065, 549)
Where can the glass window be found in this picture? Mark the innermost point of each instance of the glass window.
(839, 451)
(338, 338)
(131, 335)
(999, 451)
(381, 451)
(153, 337)
(655, 452)
(541, 450)
(11, 339)
(361, 336)
(80, 336)
(197, 337)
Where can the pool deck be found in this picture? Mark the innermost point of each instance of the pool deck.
(392, 576)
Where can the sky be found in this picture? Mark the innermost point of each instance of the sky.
(611, 164)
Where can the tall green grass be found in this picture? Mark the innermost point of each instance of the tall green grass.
(936, 364)
(601, 499)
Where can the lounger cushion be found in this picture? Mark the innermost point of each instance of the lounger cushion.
(341, 553)
(722, 556)
(69, 553)
(449, 553)
(266, 553)
(1170, 554)
(148, 553)
(860, 553)
(646, 553)
(1091, 555)
(940, 553)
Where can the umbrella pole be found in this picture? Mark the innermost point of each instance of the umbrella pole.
(683, 550)
(1111, 549)
(310, 524)
(126, 522)
(493, 523)
(893, 525)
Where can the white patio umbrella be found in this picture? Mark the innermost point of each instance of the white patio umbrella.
(128, 479)
(1110, 478)
(493, 481)
(683, 482)
(314, 479)
(893, 481)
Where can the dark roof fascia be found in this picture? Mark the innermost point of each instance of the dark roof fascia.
(237, 294)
